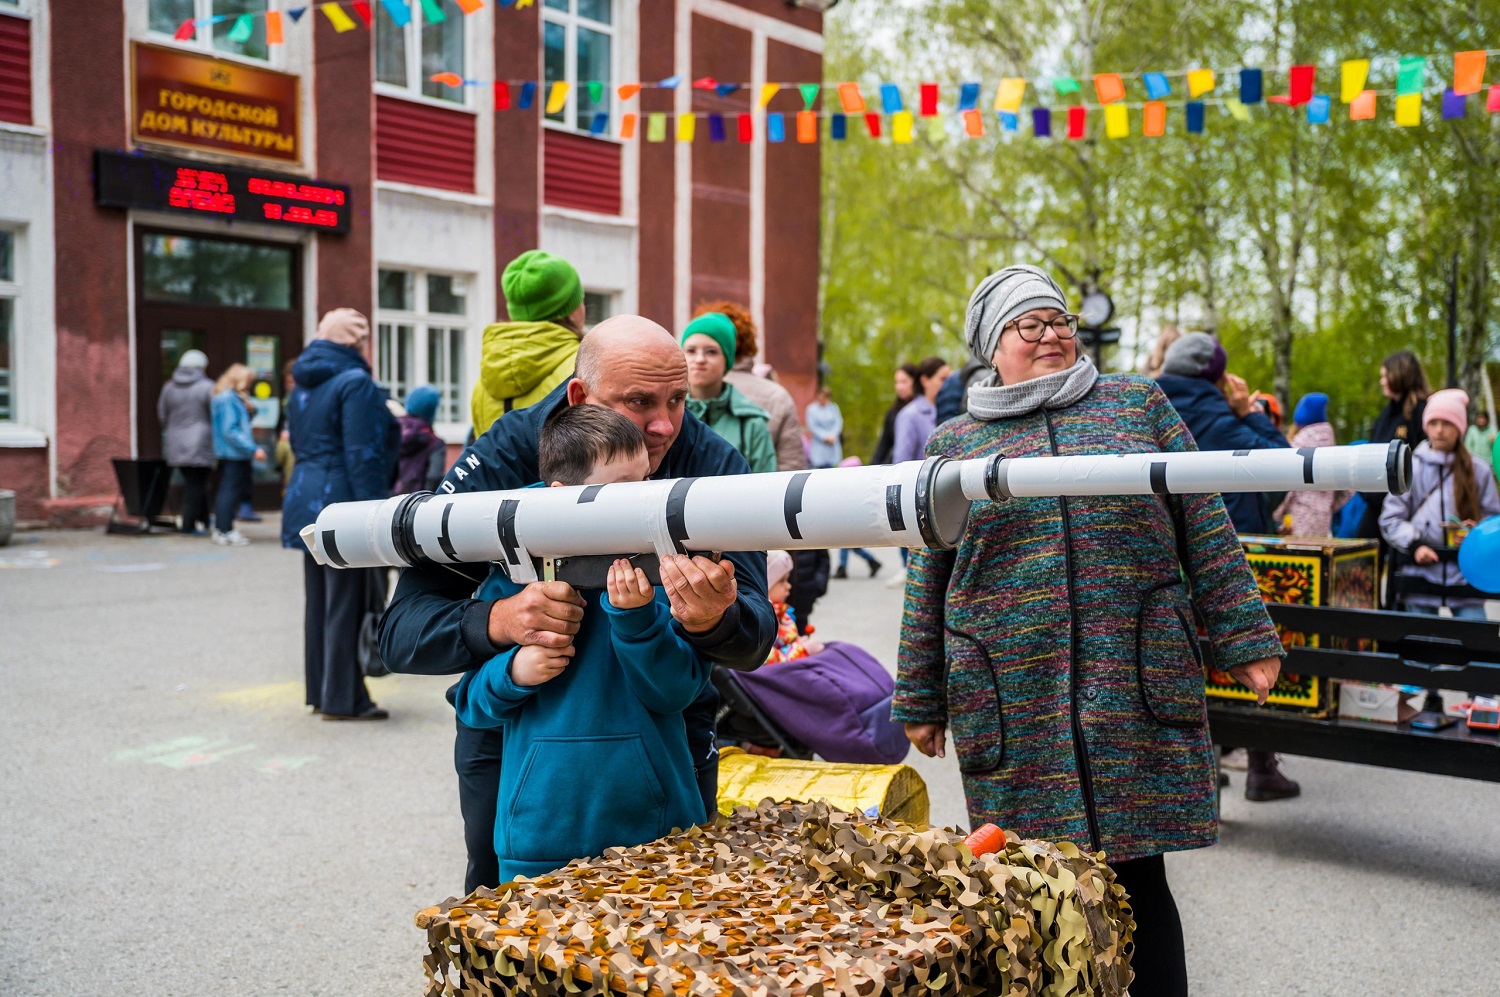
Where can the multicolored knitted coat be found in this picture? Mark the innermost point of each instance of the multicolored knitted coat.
(1058, 641)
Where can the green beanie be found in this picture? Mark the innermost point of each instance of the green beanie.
(539, 286)
(717, 327)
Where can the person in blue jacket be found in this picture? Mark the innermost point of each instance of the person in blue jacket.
(341, 433)
(234, 448)
(436, 624)
(602, 716)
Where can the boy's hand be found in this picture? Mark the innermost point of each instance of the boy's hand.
(535, 664)
(546, 613)
(628, 586)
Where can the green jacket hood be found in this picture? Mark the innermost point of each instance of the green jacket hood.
(518, 356)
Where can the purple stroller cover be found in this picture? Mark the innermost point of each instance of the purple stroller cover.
(837, 702)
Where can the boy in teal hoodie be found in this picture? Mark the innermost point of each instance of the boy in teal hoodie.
(596, 752)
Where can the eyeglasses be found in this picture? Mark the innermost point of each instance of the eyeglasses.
(1032, 330)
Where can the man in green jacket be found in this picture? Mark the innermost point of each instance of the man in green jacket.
(525, 358)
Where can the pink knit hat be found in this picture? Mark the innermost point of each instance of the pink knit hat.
(778, 566)
(1449, 405)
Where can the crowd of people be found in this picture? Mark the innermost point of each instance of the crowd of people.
(1069, 680)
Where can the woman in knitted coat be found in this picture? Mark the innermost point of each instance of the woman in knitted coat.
(1058, 641)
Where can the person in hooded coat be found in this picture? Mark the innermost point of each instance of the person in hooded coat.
(421, 460)
(188, 436)
(523, 359)
(1311, 512)
(341, 432)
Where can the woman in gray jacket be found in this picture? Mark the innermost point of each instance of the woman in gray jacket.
(188, 435)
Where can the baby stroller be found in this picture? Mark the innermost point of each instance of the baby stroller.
(835, 704)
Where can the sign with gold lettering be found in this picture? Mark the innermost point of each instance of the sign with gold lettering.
(182, 98)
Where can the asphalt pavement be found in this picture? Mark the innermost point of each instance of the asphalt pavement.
(174, 822)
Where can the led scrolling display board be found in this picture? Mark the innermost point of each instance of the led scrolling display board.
(156, 183)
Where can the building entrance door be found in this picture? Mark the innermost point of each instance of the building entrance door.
(237, 300)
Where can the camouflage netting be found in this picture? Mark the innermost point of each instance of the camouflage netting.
(798, 900)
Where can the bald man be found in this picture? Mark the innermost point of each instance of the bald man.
(435, 626)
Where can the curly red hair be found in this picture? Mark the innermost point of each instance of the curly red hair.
(746, 345)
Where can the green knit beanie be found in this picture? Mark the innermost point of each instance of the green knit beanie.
(539, 286)
(717, 327)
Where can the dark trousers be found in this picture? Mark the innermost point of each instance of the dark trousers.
(335, 608)
(234, 483)
(476, 759)
(194, 497)
(1160, 959)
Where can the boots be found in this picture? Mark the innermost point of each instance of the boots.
(1265, 781)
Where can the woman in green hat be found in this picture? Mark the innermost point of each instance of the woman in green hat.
(708, 342)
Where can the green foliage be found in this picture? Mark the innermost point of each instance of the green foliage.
(1312, 251)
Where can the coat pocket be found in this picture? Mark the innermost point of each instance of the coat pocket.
(1168, 658)
(974, 715)
(577, 796)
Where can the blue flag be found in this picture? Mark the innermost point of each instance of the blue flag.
(1250, 86)
(1157, 86)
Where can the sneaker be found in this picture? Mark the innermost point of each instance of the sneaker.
(841, 572)
(1266, 782)
(875, 567)
(234, 538)
(1237, 760)
(897, 580)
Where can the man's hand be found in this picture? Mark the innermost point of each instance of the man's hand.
(534, 665)
(1424, 555)
(928, 738)
(1237, 393)
(628, 586)
(547, 614)
(700, 590)
(1258, 676)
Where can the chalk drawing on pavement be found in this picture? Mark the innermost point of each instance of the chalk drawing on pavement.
(29, 559)
(183, 752)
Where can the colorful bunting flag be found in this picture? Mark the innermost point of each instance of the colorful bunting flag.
(1200, 82)
(807, 127)
(447, 79)
(596, 91)
(746, 127)
(274, 34)
(362, 8)
(502, 95)
(1251, 90)
(973, 120)
(625, 91)
(1110, 88)
(341, 22)
(1410, 75)
(852, 100)
(937, 129)
(838, 126)
(1154, 119)
(432, 12)
(1157, 86)
(1362, 108)
(775, 127)
(1408, 110)
(670, 83)
(599, 123)
(705, 83)
(929, 93)
(725, 89)
(1008, 121)
(1237, 109)
(1492, 104)
(185, 31)
(1078, 122)
(1065, 85)
(1468, 72)
(1195, 117)
(901, 127)
(528, 95)
(1041, 122)
(716, 127)
(469, 6)
(244, 25)
(296, 14)
(968, 96)
(1352, 76)
(890, 99)
(687, 126)
(872, 124)
(1300, 84)
(809, 93)
(557, 97)
(1009, 94)
(627, 125)
(656, 127)
(1454, 105)
(400, 13)
(1318, 109)
(767, 91)
(1116, 121)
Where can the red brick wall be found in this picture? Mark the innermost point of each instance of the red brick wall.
(721, 170)
(94, 365)
(658, 174)
(343, 101)
(23, 470)
(518, 188)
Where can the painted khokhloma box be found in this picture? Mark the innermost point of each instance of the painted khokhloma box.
(1305, 572)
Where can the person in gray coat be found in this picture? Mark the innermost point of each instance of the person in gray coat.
(188, 435)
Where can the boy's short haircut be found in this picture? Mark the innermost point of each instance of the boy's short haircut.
(578, 438)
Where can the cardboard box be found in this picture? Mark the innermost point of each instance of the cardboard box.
(1391, 704)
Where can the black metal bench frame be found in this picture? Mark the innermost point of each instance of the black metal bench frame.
(1411, 649)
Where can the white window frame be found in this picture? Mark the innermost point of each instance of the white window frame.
(570, 23)
(13, 290)
(423, 321)
(473, 27)
(203, 39)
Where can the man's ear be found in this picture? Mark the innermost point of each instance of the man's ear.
(577, 392)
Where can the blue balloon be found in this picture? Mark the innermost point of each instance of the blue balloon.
(1479, 556)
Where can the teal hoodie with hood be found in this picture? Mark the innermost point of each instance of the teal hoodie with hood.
(740, 421)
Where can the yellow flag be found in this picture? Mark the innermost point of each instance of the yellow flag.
(1352, 78)
(1009, 93)
(1200, 81)
(937, 128)
(1237, 109)
(901, 127)
(1409, 110)
(687, 124)
(341, 22)
(1116, 121)
(767, 91)
(557, 97)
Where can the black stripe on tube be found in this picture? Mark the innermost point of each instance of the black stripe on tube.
(505, 522)
(444, 541)
(791, 505)
(893, 514)
(1159, 477)
(589, 493)
(1307, 462)
(331, 549)
(677, 514)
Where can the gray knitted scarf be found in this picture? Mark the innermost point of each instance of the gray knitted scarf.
(989, 401)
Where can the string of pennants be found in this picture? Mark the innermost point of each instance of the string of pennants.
(1194, 91)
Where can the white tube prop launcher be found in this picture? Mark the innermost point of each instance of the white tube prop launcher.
(573, 533)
